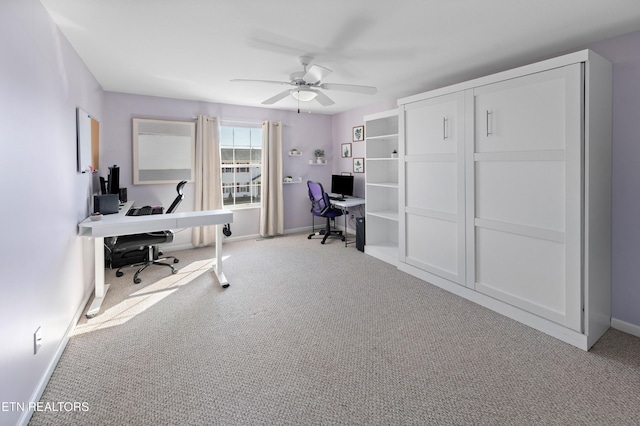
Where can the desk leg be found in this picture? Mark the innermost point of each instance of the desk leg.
(100, 287)
(345, 227)
(218, 268)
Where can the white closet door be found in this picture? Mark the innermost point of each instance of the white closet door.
(525, 233)
(432, 232)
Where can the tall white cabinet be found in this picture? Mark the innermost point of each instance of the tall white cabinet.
(505, 193)
(381, 187)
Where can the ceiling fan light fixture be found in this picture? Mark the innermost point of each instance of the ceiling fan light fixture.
(303, 94)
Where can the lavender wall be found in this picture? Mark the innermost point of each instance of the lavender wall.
(304, 132)
(624, 53)
(46, 268)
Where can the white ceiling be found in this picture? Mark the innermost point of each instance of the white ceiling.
(190, 49)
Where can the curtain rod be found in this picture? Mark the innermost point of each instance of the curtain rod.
(255, 123)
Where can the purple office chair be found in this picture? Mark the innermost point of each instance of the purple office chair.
(321, 207)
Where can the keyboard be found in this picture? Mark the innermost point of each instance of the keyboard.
(143, 211)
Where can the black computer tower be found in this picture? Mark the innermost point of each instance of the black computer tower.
(360, 240)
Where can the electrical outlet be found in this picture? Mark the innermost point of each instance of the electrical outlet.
(37, 340)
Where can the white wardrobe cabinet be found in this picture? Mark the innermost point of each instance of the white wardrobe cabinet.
(505, 186)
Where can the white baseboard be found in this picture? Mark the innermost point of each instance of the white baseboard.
(626, 327)
(44, 380)
(177, 247)
(296, 230)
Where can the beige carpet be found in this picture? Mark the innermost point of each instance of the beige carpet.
(312, 334)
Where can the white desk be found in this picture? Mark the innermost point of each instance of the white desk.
(344, 205)
(120, 224)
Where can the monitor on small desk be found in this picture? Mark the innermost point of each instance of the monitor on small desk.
(342, 185)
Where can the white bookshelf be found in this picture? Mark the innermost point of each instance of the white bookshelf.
(381, 187)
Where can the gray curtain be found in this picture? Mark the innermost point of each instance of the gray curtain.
(272, 211)
(208, 178)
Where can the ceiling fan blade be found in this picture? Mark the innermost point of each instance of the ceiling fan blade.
(245, 80)
(323, 99)
(276, 98)
(316, 73)
(366, 90)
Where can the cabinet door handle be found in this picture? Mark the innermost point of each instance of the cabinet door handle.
(488, 122)
(445, 136)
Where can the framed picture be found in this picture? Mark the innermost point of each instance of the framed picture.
(358, 165)
(358, 133)
(346, 150)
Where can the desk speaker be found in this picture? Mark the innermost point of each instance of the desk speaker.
(106, 204)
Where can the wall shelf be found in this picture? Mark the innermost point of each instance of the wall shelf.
(299, 180)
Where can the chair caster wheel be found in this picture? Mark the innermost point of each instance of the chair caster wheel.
(175, 271)
(137, 280)
(322, 242)
(176, 260)
(309, 237)
(344, 239)
(119, 273)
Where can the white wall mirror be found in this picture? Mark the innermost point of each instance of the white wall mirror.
(163, 151)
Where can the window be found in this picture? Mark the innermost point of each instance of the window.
(241, 156)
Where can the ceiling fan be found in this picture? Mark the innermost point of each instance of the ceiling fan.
(306, 85)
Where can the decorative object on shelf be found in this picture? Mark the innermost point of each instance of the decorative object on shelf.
(358, 133)
(290, 179)
(319, 154)
(345, 173)
(358, 165)
(394, 154)
(346, 150)
(294, 152)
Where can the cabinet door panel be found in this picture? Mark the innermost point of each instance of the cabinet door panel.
(435, 186)
(432, 127)
(440, 258)
(529, 193)
(501, 116)
(523, 271)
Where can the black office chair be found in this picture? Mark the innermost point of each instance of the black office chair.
(321, 207)
(148, 241)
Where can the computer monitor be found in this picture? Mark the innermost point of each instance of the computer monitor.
(342, 185)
